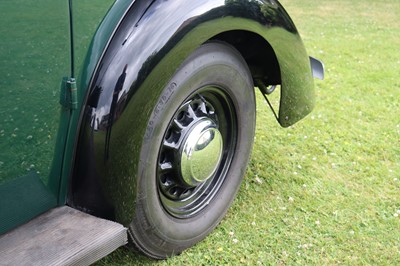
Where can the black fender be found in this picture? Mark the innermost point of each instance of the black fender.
(150, 43)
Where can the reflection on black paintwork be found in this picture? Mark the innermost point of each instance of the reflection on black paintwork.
(114, 110)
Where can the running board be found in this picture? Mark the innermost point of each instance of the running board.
(61, 236)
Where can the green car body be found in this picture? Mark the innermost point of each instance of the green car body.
(46, 43)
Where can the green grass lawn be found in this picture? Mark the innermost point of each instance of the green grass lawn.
(327, 190)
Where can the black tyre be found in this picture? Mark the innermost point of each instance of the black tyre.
(195, 152)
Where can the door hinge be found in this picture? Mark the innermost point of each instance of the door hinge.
(69, 93)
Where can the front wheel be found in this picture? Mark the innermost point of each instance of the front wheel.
(195, 151)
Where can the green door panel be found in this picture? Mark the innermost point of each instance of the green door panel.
(34, 56)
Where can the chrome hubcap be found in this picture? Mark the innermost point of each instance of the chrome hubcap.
(196, 152)
(202, 153)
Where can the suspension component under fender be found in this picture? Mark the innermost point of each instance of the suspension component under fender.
(267, 90)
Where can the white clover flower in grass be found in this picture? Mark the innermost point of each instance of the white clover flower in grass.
(231, 233)
(305, 246)
(398, 211)
(235, 240)
(258, 180)
(291, 199)
(396, 214)
(317, 222)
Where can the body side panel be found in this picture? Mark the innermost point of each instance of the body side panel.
(34, 57)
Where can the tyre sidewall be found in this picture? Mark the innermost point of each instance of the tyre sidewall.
(157, 232)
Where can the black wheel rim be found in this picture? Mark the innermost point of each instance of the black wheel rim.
(210, 108)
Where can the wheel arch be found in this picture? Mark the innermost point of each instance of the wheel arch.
(136, 65)
(257, 52)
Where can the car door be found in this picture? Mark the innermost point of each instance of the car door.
(34, 57)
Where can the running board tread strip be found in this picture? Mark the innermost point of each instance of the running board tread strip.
(61, 236)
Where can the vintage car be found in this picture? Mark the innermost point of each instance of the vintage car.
(150, 132)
